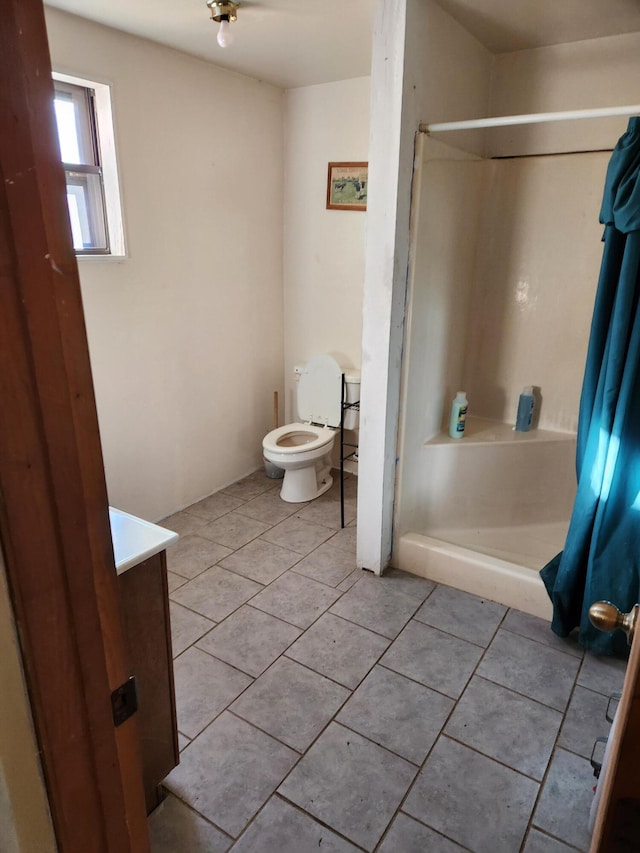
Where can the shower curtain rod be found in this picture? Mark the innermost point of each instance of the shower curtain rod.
(528, 118)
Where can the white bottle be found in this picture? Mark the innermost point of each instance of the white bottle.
(458, 415)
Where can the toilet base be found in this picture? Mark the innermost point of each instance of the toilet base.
(304, 484)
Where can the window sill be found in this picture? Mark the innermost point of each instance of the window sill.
(110, 259)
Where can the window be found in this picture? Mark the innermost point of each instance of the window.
(85, 133)
(80, 150)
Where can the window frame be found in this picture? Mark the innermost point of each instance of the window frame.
(99, 140)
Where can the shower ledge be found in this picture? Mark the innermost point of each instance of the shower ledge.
(486, 431)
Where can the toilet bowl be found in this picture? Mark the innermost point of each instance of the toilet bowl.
(303, 449)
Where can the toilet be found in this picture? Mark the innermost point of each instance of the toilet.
(303, 449)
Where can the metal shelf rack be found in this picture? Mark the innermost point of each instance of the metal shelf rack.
(351, 449)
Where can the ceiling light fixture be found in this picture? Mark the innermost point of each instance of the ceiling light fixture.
(223, 14)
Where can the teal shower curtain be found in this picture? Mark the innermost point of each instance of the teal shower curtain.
(601, 557)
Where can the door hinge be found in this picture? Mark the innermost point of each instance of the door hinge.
(124, 701)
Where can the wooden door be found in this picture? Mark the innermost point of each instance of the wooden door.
(617, 825)
(54, 524)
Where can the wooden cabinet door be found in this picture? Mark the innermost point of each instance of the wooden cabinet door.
(145, 604)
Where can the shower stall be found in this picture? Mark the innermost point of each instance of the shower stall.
(505, 259)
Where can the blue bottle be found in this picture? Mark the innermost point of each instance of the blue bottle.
(525, 409)
(458, 415)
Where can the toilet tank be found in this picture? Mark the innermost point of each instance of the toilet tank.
(319, 392)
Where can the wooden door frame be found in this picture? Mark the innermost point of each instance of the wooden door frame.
(54, 524)
(617, 824)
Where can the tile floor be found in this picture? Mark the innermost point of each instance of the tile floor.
(322, 708)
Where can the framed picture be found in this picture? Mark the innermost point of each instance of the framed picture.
(347, 185)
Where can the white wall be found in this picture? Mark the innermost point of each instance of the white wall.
(186, 334)
(323, 249)
(25, 823)
(595, 73)
(425, 68)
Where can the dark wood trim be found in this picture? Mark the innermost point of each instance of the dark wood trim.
(169, 652)
(617, 826)
(54, 521)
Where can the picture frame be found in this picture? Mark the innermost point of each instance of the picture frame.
(347, 186)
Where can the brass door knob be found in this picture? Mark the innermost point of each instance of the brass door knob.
(606, 617)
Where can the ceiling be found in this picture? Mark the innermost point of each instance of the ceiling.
(294, 43)
(507, 25)
(285, 42)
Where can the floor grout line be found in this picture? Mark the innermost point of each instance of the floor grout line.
(351, 690)
(195, 811)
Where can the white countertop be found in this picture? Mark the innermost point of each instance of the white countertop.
(135, 540)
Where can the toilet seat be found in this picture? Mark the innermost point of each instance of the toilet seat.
(303, 438)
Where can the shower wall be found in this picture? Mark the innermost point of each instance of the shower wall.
(445, 232)
(535, 276)
(504, 264)
(506, 258)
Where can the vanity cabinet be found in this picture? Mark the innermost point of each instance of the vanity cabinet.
(145, 606)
